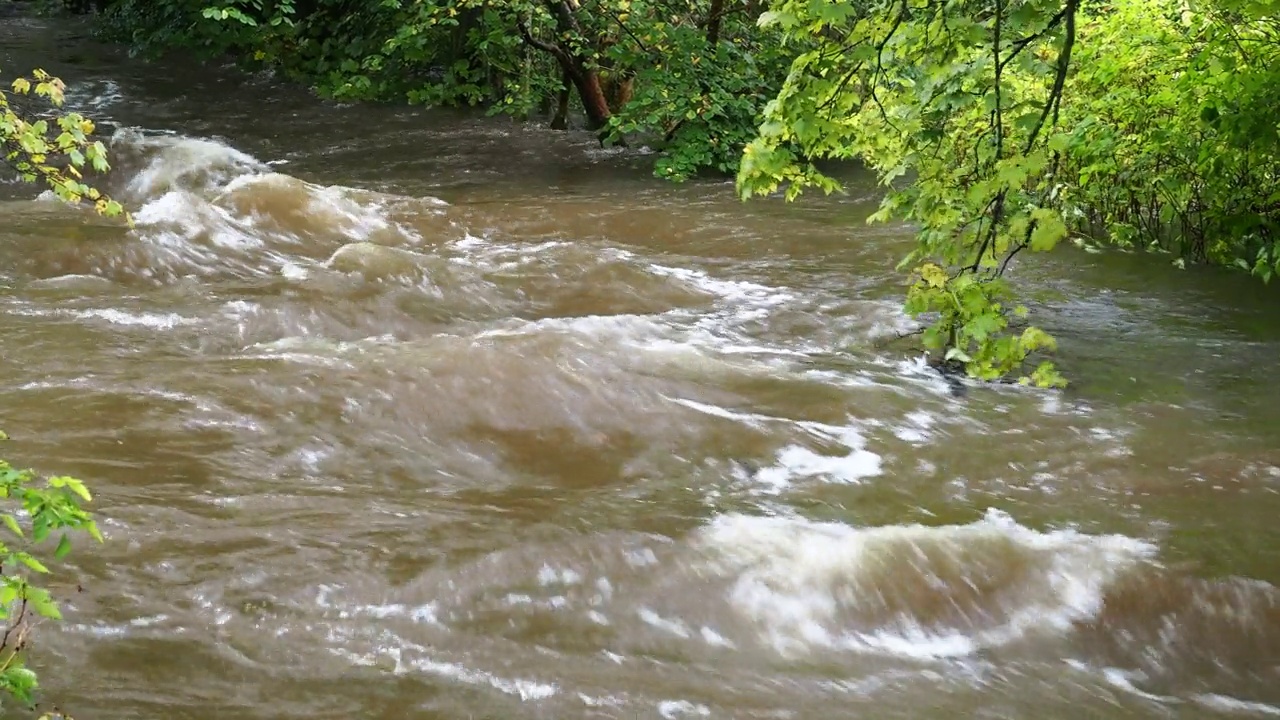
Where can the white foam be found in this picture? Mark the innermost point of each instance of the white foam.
(753, 420)
(1051, 404)
(176, 218)
(711, 637)
(1226, 703)
(293, 271)
(617, 328)
(1123, 679)
(155, 321)
(470, 242)
(651, 618)
(797, 461)
(889, 321)
(732, 291)
(356, 214)
(918, 370)
(526, 690)
(605, 589)
(79, 282)
(911, 590)
(607, 701)
(93, 97)
(425, 613)
(917, 428)
(99, 630)
(548, 575)
(672, 709)
(504, 257)
(180, 162)
(420, 613)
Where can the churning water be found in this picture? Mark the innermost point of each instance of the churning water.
(404, 414)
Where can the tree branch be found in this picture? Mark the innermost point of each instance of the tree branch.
(1054, 102)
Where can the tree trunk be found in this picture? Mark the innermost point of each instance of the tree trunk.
(587, 80)
(714, 16)
(618, 89)
(577, 66)
(561, 119)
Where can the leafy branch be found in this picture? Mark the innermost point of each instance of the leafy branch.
(56, 150)
(35, 511)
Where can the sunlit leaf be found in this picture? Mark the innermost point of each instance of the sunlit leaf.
(12, 524)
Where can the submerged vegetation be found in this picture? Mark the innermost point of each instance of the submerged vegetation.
(997, 126)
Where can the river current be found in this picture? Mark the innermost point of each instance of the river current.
(396, 413)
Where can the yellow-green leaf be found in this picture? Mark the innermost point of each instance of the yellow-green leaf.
(12, 524)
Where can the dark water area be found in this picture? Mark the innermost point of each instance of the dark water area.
(401, 413)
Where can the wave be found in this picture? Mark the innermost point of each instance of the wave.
(912, 591)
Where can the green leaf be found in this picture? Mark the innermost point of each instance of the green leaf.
(19, 682)
(76, 486)
(64, 547)
(31, 562)
(8, 594)
(43, 604)
(12, 524)
(1048, 231)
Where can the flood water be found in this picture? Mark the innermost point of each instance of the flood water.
(402, 414)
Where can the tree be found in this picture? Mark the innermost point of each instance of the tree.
(1000, 126)
(688, 77)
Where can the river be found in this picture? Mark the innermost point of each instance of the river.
(393, 413)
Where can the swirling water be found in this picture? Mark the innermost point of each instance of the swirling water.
(397, 413)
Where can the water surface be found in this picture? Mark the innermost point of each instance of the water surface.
(395, 413)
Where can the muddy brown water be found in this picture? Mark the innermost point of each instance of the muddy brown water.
(404, 414)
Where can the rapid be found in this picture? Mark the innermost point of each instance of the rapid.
(397, 413)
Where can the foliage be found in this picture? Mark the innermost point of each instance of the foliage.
(1140, 123)
(689, 77)
(34, 511)
(1176, 145)
(703, 92)
(51, 148)
(964, 98)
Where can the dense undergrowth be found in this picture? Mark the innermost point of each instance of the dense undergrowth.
(689, 78)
